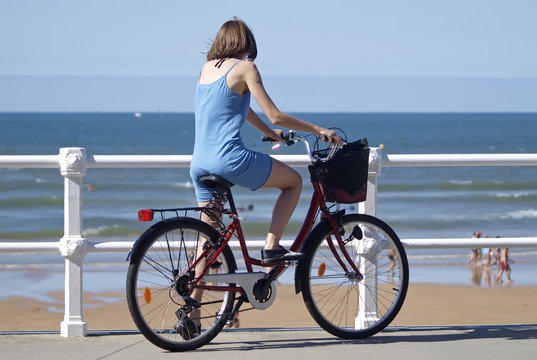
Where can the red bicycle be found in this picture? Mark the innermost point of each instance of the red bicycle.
(353, 278)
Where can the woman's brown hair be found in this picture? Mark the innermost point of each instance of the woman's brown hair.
(234, 39)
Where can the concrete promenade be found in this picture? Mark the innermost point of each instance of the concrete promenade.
(418, 342)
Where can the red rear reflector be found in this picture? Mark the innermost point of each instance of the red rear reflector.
(145, 215)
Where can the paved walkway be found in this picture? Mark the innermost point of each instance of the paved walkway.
(426, 342)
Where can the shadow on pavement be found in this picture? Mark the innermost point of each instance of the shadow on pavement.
(416, 334)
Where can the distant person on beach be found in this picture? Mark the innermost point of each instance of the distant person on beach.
(222, 103)
(477, 274)
(488, 260)
(496, 257)
(391, 257)
(250, 207)
(488, 254)
(504, 266)
(89, 187)
(487, 279)
(475, 255)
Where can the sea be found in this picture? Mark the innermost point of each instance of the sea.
(418, 202)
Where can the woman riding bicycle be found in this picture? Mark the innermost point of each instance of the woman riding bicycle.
(222, 104)
(183, 283)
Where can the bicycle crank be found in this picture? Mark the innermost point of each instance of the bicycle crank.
(248, 281)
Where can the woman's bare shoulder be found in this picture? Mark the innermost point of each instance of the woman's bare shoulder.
(246, 66)
(247, 70)
(209, 65)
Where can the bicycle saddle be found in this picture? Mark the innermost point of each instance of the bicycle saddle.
(215, 181)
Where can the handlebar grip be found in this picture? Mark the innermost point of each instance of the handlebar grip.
(266, 138)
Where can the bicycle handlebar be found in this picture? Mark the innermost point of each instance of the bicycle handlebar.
(291, 137)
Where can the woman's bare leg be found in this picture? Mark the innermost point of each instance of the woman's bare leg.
(197, 294)
(290, 183)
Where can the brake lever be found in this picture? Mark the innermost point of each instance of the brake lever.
(287, 138)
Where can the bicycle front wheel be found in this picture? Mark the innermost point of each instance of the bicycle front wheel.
(161, 291)
(345, 303)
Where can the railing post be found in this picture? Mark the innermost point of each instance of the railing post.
(73, 246)
(369, 206)
(367, 303)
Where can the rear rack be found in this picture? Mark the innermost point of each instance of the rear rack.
(148, 214)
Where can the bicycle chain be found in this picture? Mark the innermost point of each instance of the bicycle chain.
(230, 313)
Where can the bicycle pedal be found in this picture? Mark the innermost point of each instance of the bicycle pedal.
(282, 263)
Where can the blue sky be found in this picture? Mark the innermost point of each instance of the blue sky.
(414, 55)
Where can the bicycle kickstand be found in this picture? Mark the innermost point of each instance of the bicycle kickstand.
(235, 310)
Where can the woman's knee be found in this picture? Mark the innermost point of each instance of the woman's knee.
(293, 183)
(296, 180)
(284, 177)
(292, 179)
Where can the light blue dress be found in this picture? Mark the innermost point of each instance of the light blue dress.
(218, 147)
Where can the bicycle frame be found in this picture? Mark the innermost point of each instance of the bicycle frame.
(352, 273)
(317, 203)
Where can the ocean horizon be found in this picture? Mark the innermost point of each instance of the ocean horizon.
(292, 93)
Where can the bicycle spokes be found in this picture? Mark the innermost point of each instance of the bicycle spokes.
(350, 303)
(168, 306)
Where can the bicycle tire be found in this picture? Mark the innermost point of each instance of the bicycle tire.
(159, 258)
(341, 303)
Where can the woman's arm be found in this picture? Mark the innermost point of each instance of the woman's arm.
(277, 117)
(260, 125)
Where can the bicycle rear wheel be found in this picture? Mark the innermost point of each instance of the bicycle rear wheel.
(159, 285)
(341, 302)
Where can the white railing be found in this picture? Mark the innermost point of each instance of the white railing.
(74, 162)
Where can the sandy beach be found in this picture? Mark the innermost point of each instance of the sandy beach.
(426, 304)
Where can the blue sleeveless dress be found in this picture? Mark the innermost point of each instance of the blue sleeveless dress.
(218, 147)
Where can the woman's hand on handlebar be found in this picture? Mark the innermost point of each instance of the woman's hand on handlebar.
(330, 136)
(275, 137)
(280, 134)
